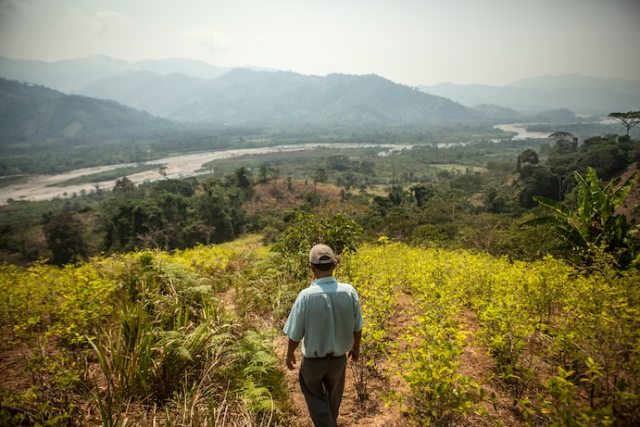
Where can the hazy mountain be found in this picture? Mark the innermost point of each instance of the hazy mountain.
(577, 81)
(188, 67)
(144, 90)
(496, 112)
(30, 112)
(588, 95)
(250, 97)
(243, 97)
(73, 75)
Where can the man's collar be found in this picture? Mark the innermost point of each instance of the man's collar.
(324, 281)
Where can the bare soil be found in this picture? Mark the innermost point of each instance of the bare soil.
(631, 203)
(280, 195)
(13, 357)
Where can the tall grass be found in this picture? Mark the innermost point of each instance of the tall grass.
(175, 346)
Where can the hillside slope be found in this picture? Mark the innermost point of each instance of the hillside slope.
(450, 338)
(29, 112)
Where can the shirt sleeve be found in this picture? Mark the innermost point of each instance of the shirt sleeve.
(294, 328)
(357, 310)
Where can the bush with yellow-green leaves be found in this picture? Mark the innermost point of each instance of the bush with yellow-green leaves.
(137, 331)
(556, 335)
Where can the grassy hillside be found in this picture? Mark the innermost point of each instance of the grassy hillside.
(192, 338)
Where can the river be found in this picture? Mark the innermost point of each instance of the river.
(522, 132)
(42, 187)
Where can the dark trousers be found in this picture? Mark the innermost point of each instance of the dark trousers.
(322, 383)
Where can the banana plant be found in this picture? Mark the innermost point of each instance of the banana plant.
(595, 223)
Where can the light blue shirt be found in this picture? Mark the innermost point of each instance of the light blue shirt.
(324, 317)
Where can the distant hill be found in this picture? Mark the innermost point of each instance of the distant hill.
(249, 97)
(496, 112)
(73, 75)
(144, 90)
(577, 81)
(586, 95)
(30, 112)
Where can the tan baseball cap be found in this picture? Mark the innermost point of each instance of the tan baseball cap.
(321, 254)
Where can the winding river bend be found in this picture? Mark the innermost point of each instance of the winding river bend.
(42, 187)
(521, 131)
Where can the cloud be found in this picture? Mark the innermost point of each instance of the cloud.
(210, 39)
(105, 19)
(99, 22)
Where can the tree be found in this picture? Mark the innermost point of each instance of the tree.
(124, 186)
(494, 202)
(263, 174)
(605, 154)
(320, 176)
(527, 156)
(213, 211)
(422, 194)
(595, 224)
(243, 179)
(128, 221)
(305, 230)
(628, 119)
(566, 142)
(397, 195)
(174, 186)
(64, 236)
(339, 163)
(536, 180)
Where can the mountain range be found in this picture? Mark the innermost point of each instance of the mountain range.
(183, 90)
(73, 75)
(242, 97)
(581, 94)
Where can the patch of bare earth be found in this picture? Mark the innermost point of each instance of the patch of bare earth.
(371, 412)
(476, 363)
(281, 194)
(631, 202)
(14, 356)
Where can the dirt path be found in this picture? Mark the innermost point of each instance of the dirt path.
(372, 413)
(496, 407)
(476, 363)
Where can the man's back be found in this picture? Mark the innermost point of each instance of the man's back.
(326, 314)
(327, 318)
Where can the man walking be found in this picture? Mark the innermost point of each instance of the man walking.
(327, 318)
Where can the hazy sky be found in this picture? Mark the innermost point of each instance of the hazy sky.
(408, 41)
